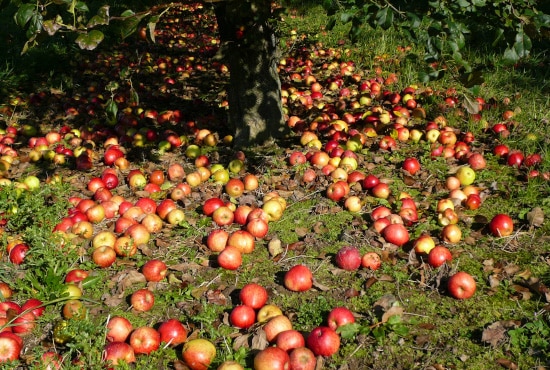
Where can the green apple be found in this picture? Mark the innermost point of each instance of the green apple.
(466, 175)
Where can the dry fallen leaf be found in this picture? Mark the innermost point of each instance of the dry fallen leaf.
(536, 217)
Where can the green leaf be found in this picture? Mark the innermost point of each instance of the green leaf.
(401, 330)
(379, 333)
(510, 56)
(51, 26)
(394, 319)
(127, 13)
(129, 25)
(463, 3)
(102, 17)
(349, 331)
(331, 23)
(24, 14)
(81, 7)
(384, 18)
(90, 40)
(523, 44)
(35, 25)
(346, 17)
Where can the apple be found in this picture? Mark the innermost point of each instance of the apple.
(230, 365)
(243, 240)
(371, 260)
(230, 258)
(411, 165)
(271, 358)
(142, 300)
(144, 340)
(353, 204)
(152, 222)
(257, 228)
(24, 323)
(274, 208)
(242, 316)
(115, 353)
(104, 238)
(451, 234)
(139, 234)
(348, 258)
(95, 213)
(267, 312)
(118, 329)
(34, 305)
(447, 217)
(175, 216)
(276, 325)
(466, 175)
(380, 212)
(515, 158)
(396, 234)
(253, 295)
(148, 205)
(289, 339)
(501, 225)
(176, 172)
(461, 285)
(297, 158)
(439, 255)
(241, 214)
(323, 341)
(5, 291)
(84, 229)
(251, 182)
(104, 256)
(125, 246)
(339, 316)
(234, 187)
(172, 332)
(424, 244)
(223, 216)
(473, 201)
(198, 354)
(95, 183)
(216, 240)
(154, 270)
(10, 349)
(302, 358)
(381, 190)
(298, 279)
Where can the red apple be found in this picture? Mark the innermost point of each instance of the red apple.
(501, 225)
(302, 358)
(116, 353)
(276, 325)
(396, 234)
(165, 207)
(339, 316)
(461, 285)
(154, 270)
(198, 354)
(253, 295)
(411, 165)
(242, 316)
(298, 279)
(242, 240)
(144, 340)
(118, 329)
(34, 305)
(271, 358)
(234, 187)
(230, 258)
(148, 205)
(10, 349)
(451, 233)
(348, 258)
(172, 332)
(323, 341)
(371, 260)
(439, 255)
(76, 275)
(216, 240)
(142, 300)
(289, 339)
(257, 228)
(223, 216)
(104, 256)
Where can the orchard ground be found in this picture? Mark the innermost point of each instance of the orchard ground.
(170, 109)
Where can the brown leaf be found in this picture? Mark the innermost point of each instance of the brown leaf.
(507, 364)
(259, 340)
(131, 278)
(511, 269)
(494, 334)
(216, 297)
(427, 326)
(320, 286)
(394, 310)
(241, 341)
(525, 292)
(370, 282)
(536, 217)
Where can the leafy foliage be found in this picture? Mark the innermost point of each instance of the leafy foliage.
(446, 28)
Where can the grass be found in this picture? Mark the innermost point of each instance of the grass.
(432, 330)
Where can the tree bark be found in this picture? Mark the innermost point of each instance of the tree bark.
(249, 47)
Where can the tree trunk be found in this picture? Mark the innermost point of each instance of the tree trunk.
(249, 47)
